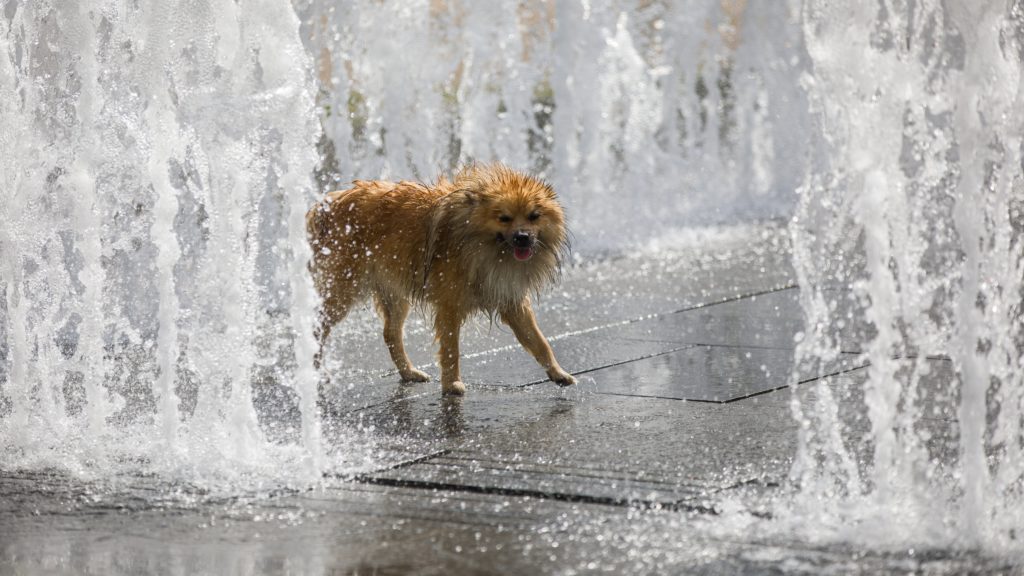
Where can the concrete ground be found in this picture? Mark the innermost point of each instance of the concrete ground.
(681, 419)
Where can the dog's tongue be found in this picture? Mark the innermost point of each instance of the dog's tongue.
(522, 254)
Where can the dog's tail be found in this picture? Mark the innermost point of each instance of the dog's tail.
(317, 223)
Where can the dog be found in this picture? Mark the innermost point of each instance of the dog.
(484, 240)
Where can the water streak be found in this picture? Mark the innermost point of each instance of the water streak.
(916, 217)
(142, 260)
(645, 116)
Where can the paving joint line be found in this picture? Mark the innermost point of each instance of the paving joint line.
(644, 504)
(462, 456)
(799, 382)
(414, 461)
(500, 466)
(727, 300)
(658, 397)
(738, 398)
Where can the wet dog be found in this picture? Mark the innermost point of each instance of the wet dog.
(483, 240)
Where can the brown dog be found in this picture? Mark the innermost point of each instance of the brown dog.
(482, 241)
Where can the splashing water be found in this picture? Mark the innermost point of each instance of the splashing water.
(156, 161)
(644, 118)
(919, 210)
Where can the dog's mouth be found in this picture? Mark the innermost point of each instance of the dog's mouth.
(523, 246)
(523, 253)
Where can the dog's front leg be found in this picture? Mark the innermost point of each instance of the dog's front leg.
(524, 325)
(447, 324)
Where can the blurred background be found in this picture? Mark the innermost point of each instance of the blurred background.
(647, 115)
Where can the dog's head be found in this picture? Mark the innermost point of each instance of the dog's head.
(502, 221)
(517, 213)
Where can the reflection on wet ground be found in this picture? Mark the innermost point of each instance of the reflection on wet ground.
(666, 458)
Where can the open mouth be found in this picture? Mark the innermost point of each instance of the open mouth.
(522, 253)
(523, 245)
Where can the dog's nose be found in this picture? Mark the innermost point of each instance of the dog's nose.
(521, 239)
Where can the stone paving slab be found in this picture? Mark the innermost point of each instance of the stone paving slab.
(770, 319)
(711, 373)
(714, 353)
(764, 320)
(590, 447)
(466, 471)
(625, 287)
(577, 353)
(502, 367)
(505, 365)
(396, 532)
(344, 529)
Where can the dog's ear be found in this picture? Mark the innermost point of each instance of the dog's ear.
(470, 196)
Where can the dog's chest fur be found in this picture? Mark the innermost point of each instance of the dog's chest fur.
(503, 285)
(498, 281)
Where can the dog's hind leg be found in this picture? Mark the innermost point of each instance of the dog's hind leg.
(393, 311)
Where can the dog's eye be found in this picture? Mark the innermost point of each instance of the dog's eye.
(505, 218)
(533, 216)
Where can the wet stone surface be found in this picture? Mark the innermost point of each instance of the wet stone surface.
(589, 447)
(666, 457)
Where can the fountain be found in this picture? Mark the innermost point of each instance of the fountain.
(919, 212)
(157, 161)
(603, 101)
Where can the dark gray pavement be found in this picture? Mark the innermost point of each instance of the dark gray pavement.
(666, 458)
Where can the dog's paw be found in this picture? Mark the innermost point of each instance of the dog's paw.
(414, 375)
(453, 388)
(561, 377)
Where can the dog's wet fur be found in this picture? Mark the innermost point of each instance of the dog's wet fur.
(483, 240)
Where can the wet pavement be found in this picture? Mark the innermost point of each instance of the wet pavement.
(681, 417)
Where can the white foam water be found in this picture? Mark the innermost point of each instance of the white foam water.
(157, 163)
(919, 212)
